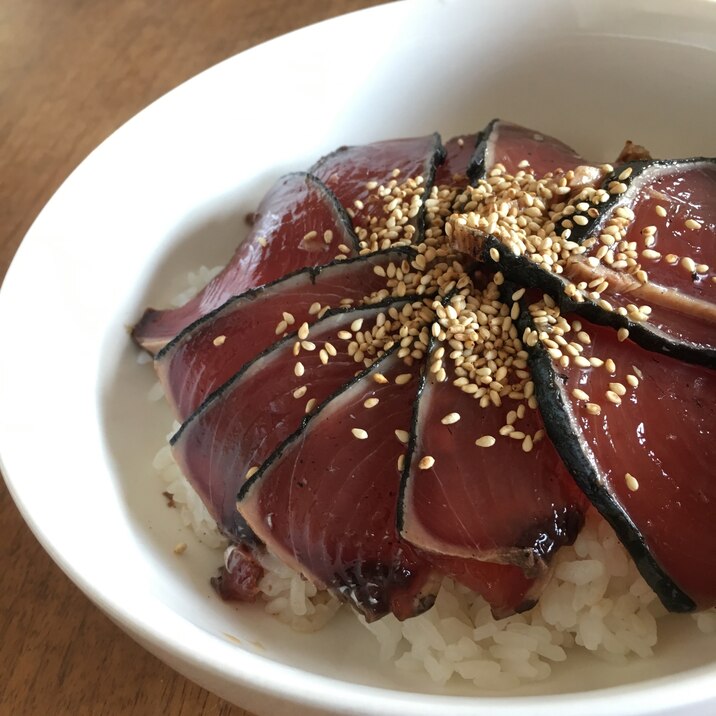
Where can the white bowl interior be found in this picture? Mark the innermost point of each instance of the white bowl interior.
(170, 191)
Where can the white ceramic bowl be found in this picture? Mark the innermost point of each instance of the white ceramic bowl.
(169, 191)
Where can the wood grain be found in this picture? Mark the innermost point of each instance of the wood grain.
(71, 72)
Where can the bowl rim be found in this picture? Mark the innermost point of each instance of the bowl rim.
(301, 687)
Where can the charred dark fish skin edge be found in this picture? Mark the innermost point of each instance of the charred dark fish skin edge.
(593, 226)
(438, 157)
(476, 166)
(312, 271)
(561, 432)
(278, 452)
(342, 218)
(290, 338)
(244, 533)
(344, 589)
(526, 273)
(536, 558)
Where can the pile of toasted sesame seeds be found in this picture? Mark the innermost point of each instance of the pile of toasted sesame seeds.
(468, 329)
(519, 211)
(401, 204)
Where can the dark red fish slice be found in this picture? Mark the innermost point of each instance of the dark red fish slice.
(509, 503)
(240, 425)
(458, 153)
(510, 144)
(644, 463)
(504, 587)
(214, 348)
(288, 234)
(325, 502)
(356, 173)
(674, 237)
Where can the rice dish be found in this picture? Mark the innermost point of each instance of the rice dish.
(584, 590)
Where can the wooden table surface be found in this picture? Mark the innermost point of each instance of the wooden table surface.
(71, 72)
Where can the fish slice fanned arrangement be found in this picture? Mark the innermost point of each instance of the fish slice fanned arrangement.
(436, 361)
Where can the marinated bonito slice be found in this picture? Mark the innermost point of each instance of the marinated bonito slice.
(299, 223)
(239, 426)
(655, 249)
(504, 587)
(372, 180)
(519, 148)
(597, 254)
(325, 502)
(482, 482)
(211, 350)
(636, 429)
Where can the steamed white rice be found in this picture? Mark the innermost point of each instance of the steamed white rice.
(595, 601)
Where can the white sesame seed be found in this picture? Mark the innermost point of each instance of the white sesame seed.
(310, 405)
(631, 482)
(426, 462)
(688, 263)
(660, 210)
(618, 388)
(612, 397)
(651, 254)
(219, 341)
(403, 436)
(281, 328)
(610, 366)
(359, 433)
(450, 418)
(580, 394)
(251, 471)
(625, 174)
(380, 378)
(485, 441)
(594, 408)
(692, 224)
(371, 402)
(300, 392)
(403, 378)
(622, 334)
(298, 369)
